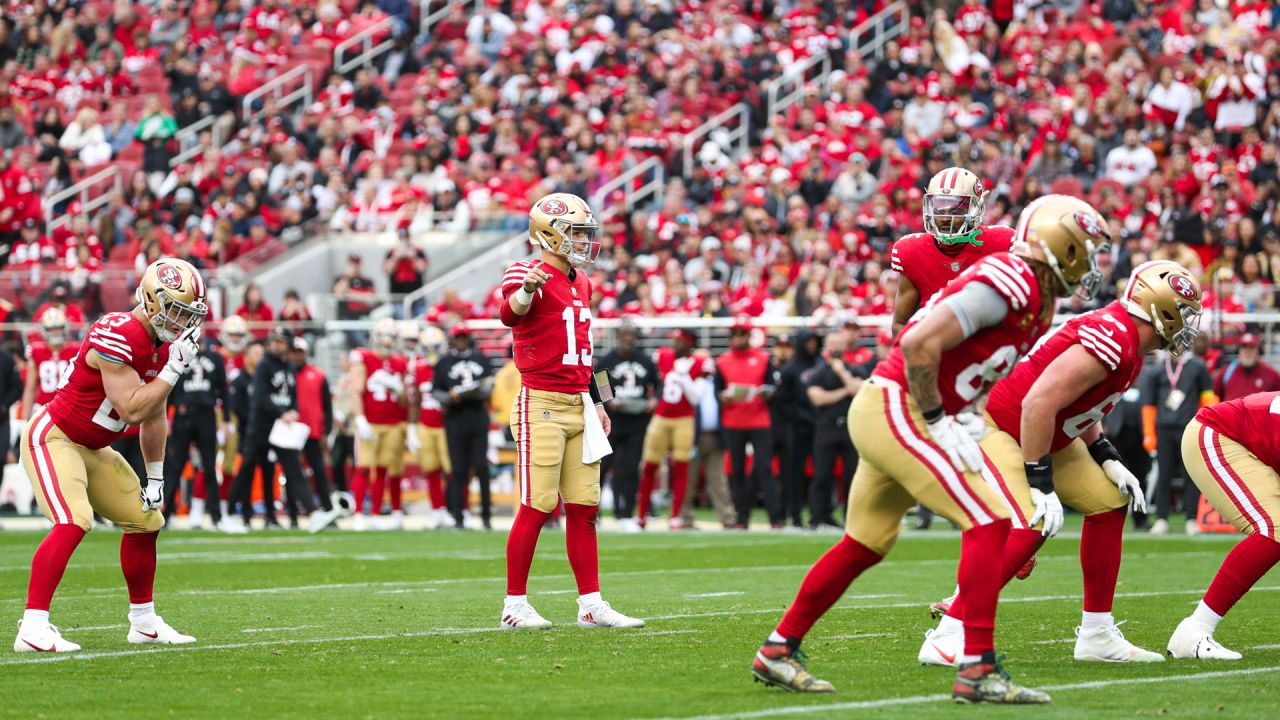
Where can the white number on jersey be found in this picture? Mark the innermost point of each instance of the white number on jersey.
(1075, 425)
(1275, 406)
(107, 418)
(384, 386)
(975, 379)
(574, 356)
(51, 373)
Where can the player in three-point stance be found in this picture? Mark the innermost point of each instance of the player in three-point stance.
(557, 420)
(913, 449)
(127, 365)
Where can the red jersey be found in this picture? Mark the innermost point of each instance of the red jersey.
(310, 381)
(1252, 421)
(430, 413)
(81, 409)
(384, 383)
(969, 369)
(748, 367)
(235, 364)
(931, 267)
(553, 345)
(50, 366)
(673, 403)
(1110, 335)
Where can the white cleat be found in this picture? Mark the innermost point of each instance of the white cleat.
(155, 631)
(629, 525)
(33, 637)
(321, 519)
(1108, 644)
(1191, 528)
(1160, 527)
(522, 616)
(1194, 640)
(359, 522)
(942, 647)
(601, 615)
(394, 521)
(232, 525)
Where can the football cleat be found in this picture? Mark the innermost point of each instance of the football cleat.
(155, 631)
(675, 523)
(1024, 572)
(942, 647)
(987, 681)
(778, 665)
(1194, 640)
(359, 522)
(232, 525)
(321, 519)
(601, 615)
(1160, 527)
(629, 525)
(940, 608)
(1191, 528)
(394, 521)
(1108, 644)
(41, 637)
(522, 616)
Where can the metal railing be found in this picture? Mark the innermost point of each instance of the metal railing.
(189, 139)
(365, 38)
(736, 136)
(465, 275)
(871, 35)
(787, 89)
(84, 191)
(653, 187)
(431, 17)
(279, 88)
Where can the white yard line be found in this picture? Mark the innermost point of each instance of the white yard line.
(656, 633)
(279, 629)
(716, 594)
(97, 627)
(857, 636)
(404, 591)
(1272, 646)
(1059, 641)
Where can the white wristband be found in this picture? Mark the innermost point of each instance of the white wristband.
(169, 375)
(524, 297)
(155, 470)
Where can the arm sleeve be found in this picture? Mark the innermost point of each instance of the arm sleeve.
(977, 306)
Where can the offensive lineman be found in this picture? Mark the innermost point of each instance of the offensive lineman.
(560, 437)
(912, 449)
(73, 471)
(1045, 439)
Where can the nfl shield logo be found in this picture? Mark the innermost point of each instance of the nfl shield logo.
(955, 267)
(546, 414)
(574, 291)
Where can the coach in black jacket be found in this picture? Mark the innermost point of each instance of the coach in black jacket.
(10, 391)
(195, 401)
(463, 382)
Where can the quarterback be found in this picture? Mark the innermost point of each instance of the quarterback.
(1045, 447)
(127, 365)
(913, 449)
(557, 419)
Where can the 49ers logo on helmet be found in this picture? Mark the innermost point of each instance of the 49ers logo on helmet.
(169, 276)
(1090, 224)
(978, 188)
(554, 207)
(1182, 285)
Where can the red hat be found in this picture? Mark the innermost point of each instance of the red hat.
(1249, 340)
(741, 323)
(682, 333)
(460, 330)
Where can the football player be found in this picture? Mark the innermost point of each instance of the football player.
(1232, 455)
(407, 339)
(426, 418)
(47, 361)
(1046, 448)
(955, 204)
(683, 375)
(128, 364)
(379, 405)
(233, 338)
(557, 419)
(912, 449)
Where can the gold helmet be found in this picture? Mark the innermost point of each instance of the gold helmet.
(955, 203)
(383, 335)
(554, 224)
(407, 332)
(172, 295)
(1066, 234)
(53, 323)
(432, 340)
(1165, 294)
(234, 334)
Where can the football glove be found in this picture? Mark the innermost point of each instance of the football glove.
(182, 352)
(1106, 455)
(364, 430)
(153, 494)
(959, 445)
(1048, 509)
(972, 423)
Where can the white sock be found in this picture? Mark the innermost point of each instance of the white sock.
(966, 659)
(950, 625)
(1207, 616)
(512, 599)
(775, 637)
(1092, 620)
(589, 599)
(141, 611)
(35, 618)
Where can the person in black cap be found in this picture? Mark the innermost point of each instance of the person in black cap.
(463, 383)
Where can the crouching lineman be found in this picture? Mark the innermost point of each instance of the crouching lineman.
(1232, 455)
(1045, 448)
(557, 420)
(913, 450)
(74, 472)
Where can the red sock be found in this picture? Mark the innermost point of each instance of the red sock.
(1100, 546)
(377, 491)
(648, 479)
(979, 586)
(50, 562)
(1247, 562)
(359, 485)
(826, 582)
(580, 546)
(521, 543)
(396, 483)
(435, 488)
(679, 486)
(1020, 545)
(138, 561)
(224, 490)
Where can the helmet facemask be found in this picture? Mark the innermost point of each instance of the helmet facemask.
(953, 218)
(1090, 282)
(174, 317)
(578, 251)
(1186, 335)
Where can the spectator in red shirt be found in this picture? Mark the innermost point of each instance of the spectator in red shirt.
(294, 310)
(1247, 374)
(256, 311)
(405, 265)
(58, 299)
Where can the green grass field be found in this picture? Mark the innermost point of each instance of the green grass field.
(386, 625)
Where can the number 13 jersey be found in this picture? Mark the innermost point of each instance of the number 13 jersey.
(553, 347)
(81, 409)
(969, 369)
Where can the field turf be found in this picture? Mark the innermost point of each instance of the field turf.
(389, 625)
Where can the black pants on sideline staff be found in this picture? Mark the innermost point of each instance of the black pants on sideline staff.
(313, 453)
(1169, 466)
(468, 440)
(344, 451)
(253, 456)
(624, 463)
(795, 443)
(828, 444)
(761, 481)
(198, 427)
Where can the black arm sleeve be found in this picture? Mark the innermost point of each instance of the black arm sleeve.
(326, 405)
